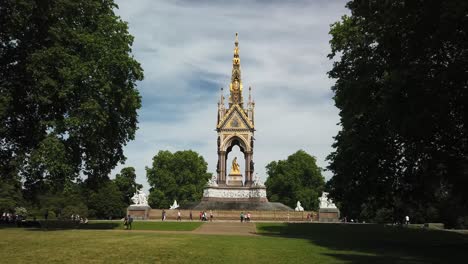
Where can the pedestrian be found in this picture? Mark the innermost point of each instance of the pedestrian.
(178, 216)
(242, 217)
(248, 216)
(407, 220)
(126, 222)
(191, 215)
(211, 216)
(163, 215)
(130, 221)
(201, 215)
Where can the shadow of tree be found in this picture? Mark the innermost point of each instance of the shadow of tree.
(369, 243)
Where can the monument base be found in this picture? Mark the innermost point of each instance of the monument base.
(329, 215)
(140, 212)
(235, 180)
(238, 198)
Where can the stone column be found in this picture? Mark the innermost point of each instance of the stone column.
(248, 176)
(222, 169)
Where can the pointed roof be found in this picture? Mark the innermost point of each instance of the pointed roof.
(235, 118)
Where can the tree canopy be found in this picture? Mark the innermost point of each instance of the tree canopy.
(68, 99)
(125, 181)
(401, 87)
(298, 178)
(180, 176)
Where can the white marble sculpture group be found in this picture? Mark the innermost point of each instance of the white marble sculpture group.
(326, 203)
(174, 205)
(140, 198)
(299, 207)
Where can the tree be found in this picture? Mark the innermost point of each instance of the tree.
(67, 90)
(177, 176)
(298, 178)
(107, 202)
(10, 195)
(125, 181)
(401, 87)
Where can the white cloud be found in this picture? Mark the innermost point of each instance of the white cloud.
(185, 48)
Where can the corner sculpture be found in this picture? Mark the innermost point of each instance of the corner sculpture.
(140, 198)
(174, 205)
(299, 207)
(140, 208)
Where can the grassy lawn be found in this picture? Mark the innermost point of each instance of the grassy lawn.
(144, 225)
(281, 243)
(377, 243)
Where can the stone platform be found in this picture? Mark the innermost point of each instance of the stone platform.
(140, 212)
(241, 205)
(237, 198)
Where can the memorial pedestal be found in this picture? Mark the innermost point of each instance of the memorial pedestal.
(235, 180)
(140, 212)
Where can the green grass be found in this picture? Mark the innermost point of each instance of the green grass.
(281, 243)
(106, 224)
(384, 243)
(144, 225)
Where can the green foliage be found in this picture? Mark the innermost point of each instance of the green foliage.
(177, 176)
(401, 89)
(125, 181)
(297, 178)
(68, 97)
(10, 195)
(107, 202)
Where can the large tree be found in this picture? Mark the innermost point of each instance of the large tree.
(298, 178)
(68, 100)
(177, 176)
(401, 87)
(125, 181)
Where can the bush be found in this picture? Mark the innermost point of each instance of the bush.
(384, 215)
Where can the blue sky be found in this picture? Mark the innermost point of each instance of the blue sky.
(186, 49)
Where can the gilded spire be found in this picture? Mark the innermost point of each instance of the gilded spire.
(235, 86)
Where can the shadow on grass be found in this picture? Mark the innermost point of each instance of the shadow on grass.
(368, 243)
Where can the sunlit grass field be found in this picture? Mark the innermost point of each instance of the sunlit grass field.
(278, 243)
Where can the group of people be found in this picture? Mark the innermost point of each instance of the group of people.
(245, 217)
(9, 218)
(128, 220)
(204, 216)
(77, 218)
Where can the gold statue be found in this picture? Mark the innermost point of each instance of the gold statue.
(235, 169)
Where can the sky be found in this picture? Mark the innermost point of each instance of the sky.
(185, 49)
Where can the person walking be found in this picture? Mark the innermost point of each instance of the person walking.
(242, 217)
(211, 216)
(130, 221)
(178, 216)
(191, 219)
(126, 222)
